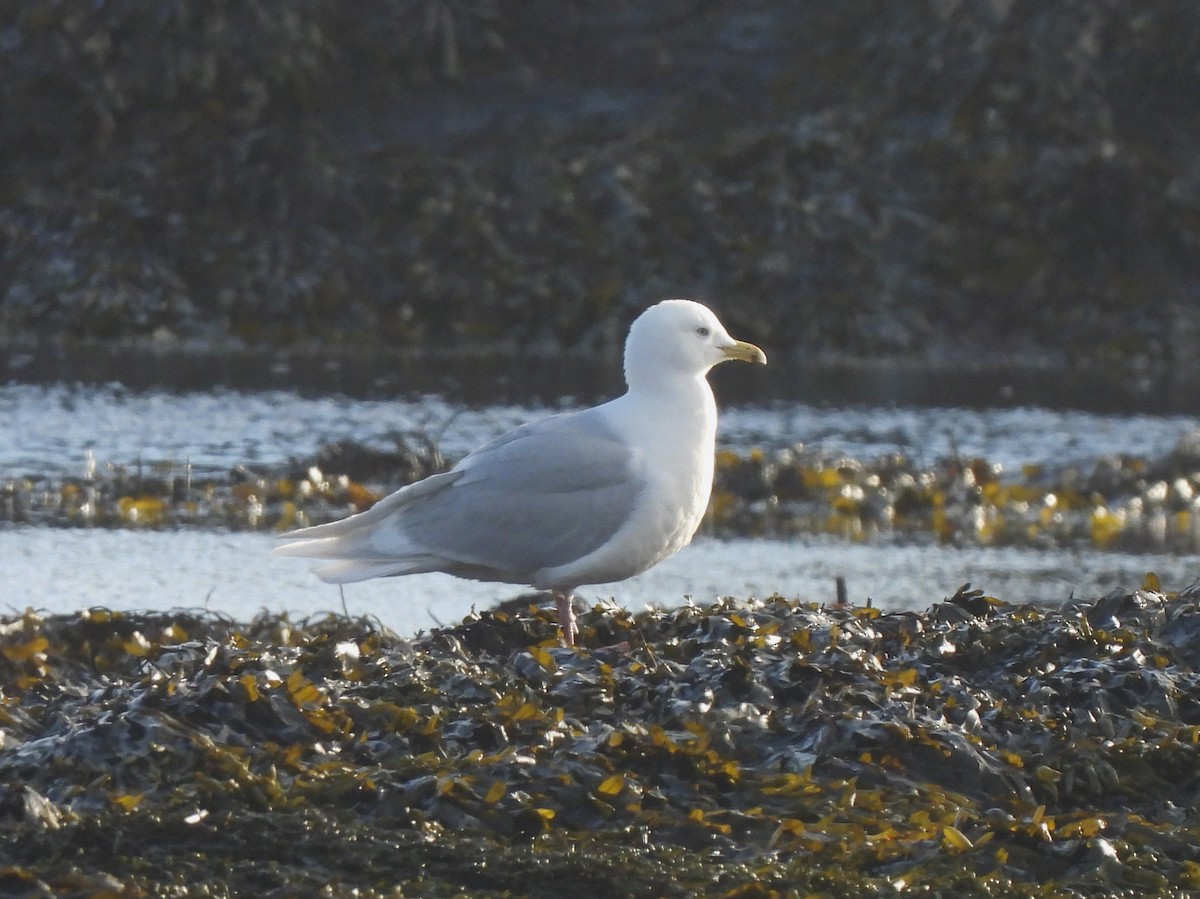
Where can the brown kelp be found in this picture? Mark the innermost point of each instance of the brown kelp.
(1128, 503)
(748, 748)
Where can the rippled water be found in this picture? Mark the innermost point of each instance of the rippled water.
(53, 429)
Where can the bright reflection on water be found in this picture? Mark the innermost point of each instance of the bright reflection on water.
(51, 429)
(65, 570)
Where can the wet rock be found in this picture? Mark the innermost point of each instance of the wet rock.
(1131, 504)
(945, 178)
(990, 752)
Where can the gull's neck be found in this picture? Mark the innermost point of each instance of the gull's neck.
(675, 401)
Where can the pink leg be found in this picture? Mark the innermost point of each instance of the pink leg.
(566, 617)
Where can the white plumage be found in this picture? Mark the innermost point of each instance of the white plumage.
(584, 497)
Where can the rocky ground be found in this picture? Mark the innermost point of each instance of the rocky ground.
(938, 179)
(746, 749)
(1115, 502)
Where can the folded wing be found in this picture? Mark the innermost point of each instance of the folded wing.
(542, 496)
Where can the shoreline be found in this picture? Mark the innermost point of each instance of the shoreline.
(1119, 502)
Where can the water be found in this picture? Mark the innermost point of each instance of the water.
(52, 429)
(236, 574)
(55, 428)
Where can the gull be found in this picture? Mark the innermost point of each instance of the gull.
(579, 498)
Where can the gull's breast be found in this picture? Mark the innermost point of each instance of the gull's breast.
(676, 467)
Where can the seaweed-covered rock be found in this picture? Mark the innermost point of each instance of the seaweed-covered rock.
(940, 176)
(1123, 503)
(980, 748)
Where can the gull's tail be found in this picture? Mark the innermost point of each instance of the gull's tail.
(372, 543)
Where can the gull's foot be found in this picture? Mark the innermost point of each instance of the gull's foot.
(566, 617)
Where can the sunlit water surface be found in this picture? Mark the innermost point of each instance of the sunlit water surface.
(56, 429)
(52, 429)
(236, 574)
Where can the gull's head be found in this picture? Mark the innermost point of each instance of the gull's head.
(681, 337)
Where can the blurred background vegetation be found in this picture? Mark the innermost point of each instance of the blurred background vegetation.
(939, 179)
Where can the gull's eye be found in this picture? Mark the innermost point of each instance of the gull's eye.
(702, 331)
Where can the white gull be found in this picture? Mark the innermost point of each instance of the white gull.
(585, 497)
